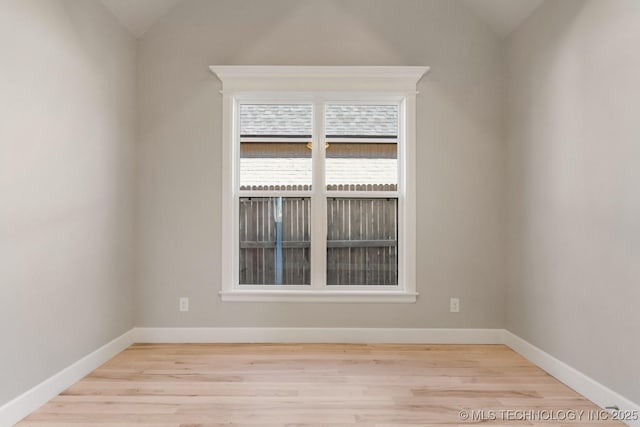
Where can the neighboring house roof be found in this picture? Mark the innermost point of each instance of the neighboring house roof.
(276, 120)
(297, 120)
(260, 121)
(362, 120)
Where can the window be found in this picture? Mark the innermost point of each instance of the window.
(318, 183)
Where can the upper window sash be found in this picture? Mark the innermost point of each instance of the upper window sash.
(248, 133)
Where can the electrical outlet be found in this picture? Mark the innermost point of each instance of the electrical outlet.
(184, 304)
(454, 305)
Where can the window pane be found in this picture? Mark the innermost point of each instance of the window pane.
(274, 241)
(362, 241)
(273, 146)
(362, 147)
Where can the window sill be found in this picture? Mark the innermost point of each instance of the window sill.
(254, 295)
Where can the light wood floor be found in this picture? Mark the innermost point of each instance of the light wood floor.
(207, 385)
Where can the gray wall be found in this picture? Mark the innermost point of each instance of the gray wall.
(66, 143)
(574, 147)
(461, 156)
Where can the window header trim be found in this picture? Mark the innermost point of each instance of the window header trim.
(260, 78)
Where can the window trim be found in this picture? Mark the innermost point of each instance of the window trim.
(320, 84)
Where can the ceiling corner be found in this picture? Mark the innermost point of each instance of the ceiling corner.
(503, 16)
(137, 16)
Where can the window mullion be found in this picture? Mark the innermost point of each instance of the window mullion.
(318, 203)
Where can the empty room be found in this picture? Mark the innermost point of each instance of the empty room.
(319, 213)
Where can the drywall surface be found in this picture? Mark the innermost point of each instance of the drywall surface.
(67, 130)
(461, 155)
(574, 145)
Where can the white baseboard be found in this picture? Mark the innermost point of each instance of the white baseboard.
(31, 400)
(583, 384)
(18, 408)
(320, 335)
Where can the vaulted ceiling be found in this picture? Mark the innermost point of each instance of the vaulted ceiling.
(503, 16)
(138, 16)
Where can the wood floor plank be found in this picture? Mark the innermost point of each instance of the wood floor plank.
(210, 385)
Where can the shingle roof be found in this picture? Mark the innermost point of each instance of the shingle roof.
(341, 120)
(276, 119)
(362, 120)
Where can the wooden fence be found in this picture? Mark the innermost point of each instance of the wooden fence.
(362, 242)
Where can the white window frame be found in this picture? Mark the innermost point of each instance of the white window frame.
(319, 85)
